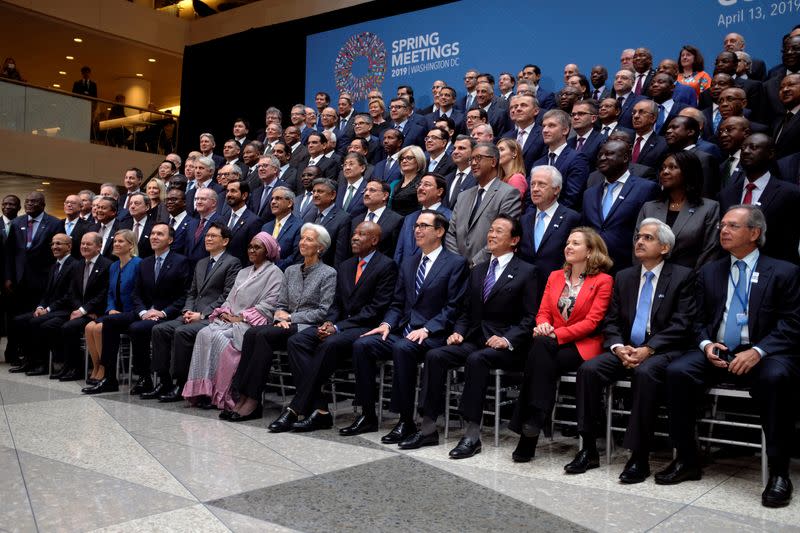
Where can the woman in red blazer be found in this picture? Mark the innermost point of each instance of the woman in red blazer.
(566, 333)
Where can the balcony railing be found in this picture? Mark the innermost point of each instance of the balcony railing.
(53, 113)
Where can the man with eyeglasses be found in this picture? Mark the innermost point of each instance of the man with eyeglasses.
(587, 138)
(437, 160)
(268, 169)
(573, 165)
(478, 206)
(196, 230)
(649, 148)
(445, 108)
(732, 103)
(623, 92)
(361, 147)
(286, 225)
(350, 190)
(430, 195)
(362, 126)
(652, 309)
(777, 199)
(376, 196)
(297, 116)
(317, 145)
(299, 152)
(470, 84)
(748, 333)
(413, 133)
(231, 151)
(661, 88)
(334, 219)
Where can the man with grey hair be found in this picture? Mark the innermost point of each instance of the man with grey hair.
(206, 213)
(734, 42)
(139, 222)
(87, 197)
(482, 133)
(204, 168)
(652, 310)
(573, 165)
(496, 110)
(649, 148)
(335, 220)
(623, 88)
(207, 145)
(268, 168)
(478, 206)
(285, 227)
(546, 228)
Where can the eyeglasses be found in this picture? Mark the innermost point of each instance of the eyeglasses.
(732, 226)
(423, 226)
(408, 158)
(396, 106)
(360, 123)
(432, 138)
(213, 236)
(477, 158)
(254, 248)
(642, 112)
(224, 174)
(578, 114)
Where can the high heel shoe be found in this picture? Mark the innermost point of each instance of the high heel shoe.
(256, 414)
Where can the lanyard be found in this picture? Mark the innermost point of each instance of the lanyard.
(746, 291)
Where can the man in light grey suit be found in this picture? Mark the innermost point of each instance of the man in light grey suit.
(478, 206)
(173, 340)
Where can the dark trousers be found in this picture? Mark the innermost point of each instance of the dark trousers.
(139, 332)
(258, 346)
(313, 361)
(28, 332)
(68, 336)
(547, 362)
(23, 300)
(172, 348)
(647, 386)
(367, 351)
(773, 383)
(477, 361)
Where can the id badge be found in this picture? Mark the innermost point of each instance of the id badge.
(741, 319)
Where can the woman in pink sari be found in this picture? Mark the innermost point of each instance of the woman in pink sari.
(217, 348)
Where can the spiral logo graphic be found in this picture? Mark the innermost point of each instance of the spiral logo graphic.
(366, 45)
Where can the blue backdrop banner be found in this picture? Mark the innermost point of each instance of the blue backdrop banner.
(442, 42)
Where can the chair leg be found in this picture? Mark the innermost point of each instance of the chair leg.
(333, 399)
(714, 407)
(420, 368)
(764, 467)
(553, 414)
(609, 405)
(497, 409)
(381, 377)
(447, 383)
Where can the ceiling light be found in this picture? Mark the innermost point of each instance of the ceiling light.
(70, 58)
(62, 72)
(78, 40)
(138, 74)
(151, 60)
(45, 183)
(57, 86)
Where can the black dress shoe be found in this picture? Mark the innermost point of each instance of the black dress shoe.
(400, 432)
(313, 422)
(465, 448)
(92, 381)
(58, 373)
(636, 471)
(257, 413)
(155, 394)
(418, 440)
(678, 472)
(225, 414)
(20, 368)
(778, 492)
(37, 371)
(172, 395)
(363, 424)
(584, 460)
(525, 450)
(71, 375)
(283, 422)
(104, 385)
(144, 384)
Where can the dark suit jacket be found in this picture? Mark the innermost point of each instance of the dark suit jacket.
(406, 243)
(299, 158)
(374, 150)
(775, 326)
(550, 255)
(290, 178)
(143, 245)
(79, 87)
(654, 151)
(78, 230)
(191, 194)
(29, 267)
(57, 293)
(445, 165)
(390, 223)
(363, 304)
(779, 203)
(646, 83)
(499, 119)
(168, 292)
(590, 147)
(618, 227)
(254, 201)
(436, 306)
(94, 298)
(356, 206)
(413, 132)
(626, 117)
(789, 168)
(457, 116)
(789, 141)
(195, 250)
(672, 311)
(758, 69)
(534, 146)
(179, 242)
(676, 108)
(298, 202)
(509, 310)
(288, 238)
(337, 222)
(328, 167)
(574, 168)
(243, 231)
(754, 91)
(467, 183)
(380, 171)
(643, 171)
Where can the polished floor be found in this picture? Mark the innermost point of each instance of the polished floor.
(69, 462)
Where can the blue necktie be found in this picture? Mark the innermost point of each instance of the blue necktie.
(717, 119)
(639, 329)
(733, 331)
(661, 117)
(538, 230)
(418, 281)
(159, 260)
(489, 281)
(608, 200)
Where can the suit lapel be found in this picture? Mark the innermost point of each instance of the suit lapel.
(684, 215)
(487, 198)
(555, 223)
(627, 188)
(661, 288)
(508, 274)
(757, 294)
(216, 266)
(586, 293)
(433, 271)
(768, 195)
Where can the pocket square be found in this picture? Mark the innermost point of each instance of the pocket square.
(660, 295)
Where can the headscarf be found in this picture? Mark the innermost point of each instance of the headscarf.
(272, 246)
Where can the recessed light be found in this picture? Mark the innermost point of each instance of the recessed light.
(78, 40)
(62, 72)
(138, 74)
(57, 86)
(45, 183)
(151, 60)
(40, 190)
(70, 58)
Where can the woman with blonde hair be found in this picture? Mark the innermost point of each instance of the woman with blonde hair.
(512, 166)
(156, 191)
(403, 198)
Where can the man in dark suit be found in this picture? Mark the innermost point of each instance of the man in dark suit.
(661, 88)
(438, 160)
(461, 178)
(497, 114)
(242, 222)
(786, 129)
(598, 77)
(587, 138)
(734, 42)
(173, 340)
(364, 286)
(24, 330)
(608, 113)
(747, 332)
(648, 148)
(545, 229)
(28, 259)
(303, 202)
(726, 63)
(317, 145)
(773, 107)
(106, 223)
(493, 331)
(573, 165)
(776, 198)
(139, 222)
(680, 93)
(206, 200)
(388, 169)
(372, 147)
(296, 142)
(428, 292)
(85, 85)
(413, 133)
(789, 168)
(178, 218)
(350, 191)
(523, 110)
(652, 308)
(644, 72)
(88, 296)
(285, 227)
(203, 178)
(623, 92)
(73, 225)
(159, 294)
(332, 218)
(286, 172)
(258, 201)
(613, 207)
(447, 98)
(344, 123)
(682, 134)
(430, 193)
(376, 196)
(10, 209)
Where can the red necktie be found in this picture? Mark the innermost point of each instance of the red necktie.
(638, 90)
(199, 230)
(636, 149)
(579, 146)
(748, 196)
(360, 269)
